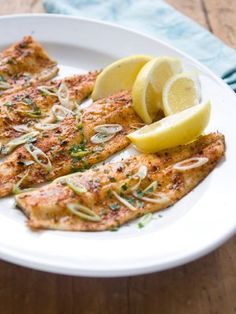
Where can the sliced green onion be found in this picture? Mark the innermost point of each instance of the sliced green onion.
(64, 178)
(17, 189)
(31, 113)
(45, 126)
(77, 187)
(144, 220)
(61, 112)
(83, 212)
(124, 201)
(37, 153)
(8, 104)
(28, 162)
(26, 138)
(193, 162)
(48, 90)
(159, 198)
(105, 132)
(141, 174)
(99, 138)
(22, 128)
(152, 187)
(108, 128)
(4, 85)
(2, 78)
(63, 94)
(137, 125)
(80, 153)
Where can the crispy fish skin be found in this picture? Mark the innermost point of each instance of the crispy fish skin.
(60, 144)
(25, 63)
(46, 208)
(13, 108)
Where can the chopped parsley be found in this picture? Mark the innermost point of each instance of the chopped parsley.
(112, 179)
(109, 193)
(28, 100)
(78, 150)
(150, 190)
(124, 187)
(114, 206)
(131, 200)
(140, 193)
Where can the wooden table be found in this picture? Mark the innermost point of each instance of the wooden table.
(206, 286)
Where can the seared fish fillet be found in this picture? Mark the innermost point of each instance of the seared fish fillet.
(68, 148)
(48, 207)
(27, 107)
(23, 64)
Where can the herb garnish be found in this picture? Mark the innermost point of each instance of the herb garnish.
(145, 220)
(2, 79)
(112, 179)
(78, 150)
(8, 104)
(114, 206)
(124, 187)
(28, 100)
(109, 193)
(139, 193)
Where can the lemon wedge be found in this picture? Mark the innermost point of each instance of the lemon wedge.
(118, 76)
(174, 130)
(182, 91)
(148, 86)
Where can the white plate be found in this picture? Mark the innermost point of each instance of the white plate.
(197, 224)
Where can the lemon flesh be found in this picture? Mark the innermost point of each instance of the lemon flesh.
(174, 130)
(118, 76)
(148, 86)
(182, 91)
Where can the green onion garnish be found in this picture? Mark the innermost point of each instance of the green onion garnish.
(114, 207)
(17, 189)
(83, 212)
(75, 186)
(151, 187)
(4, 85)
(37, 153)
(26, 138)
(47, 90)
(63, 94)
(145, 220)
(60, 112)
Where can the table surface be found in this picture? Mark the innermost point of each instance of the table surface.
(205, 286)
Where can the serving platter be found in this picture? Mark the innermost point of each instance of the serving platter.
(196, 225)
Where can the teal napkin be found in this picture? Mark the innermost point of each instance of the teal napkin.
(157, 18)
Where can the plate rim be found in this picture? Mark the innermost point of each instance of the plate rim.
(9, 255)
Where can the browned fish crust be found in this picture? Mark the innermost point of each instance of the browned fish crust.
(14, 107)
(61, 144)
(46, 208)
(25, 63)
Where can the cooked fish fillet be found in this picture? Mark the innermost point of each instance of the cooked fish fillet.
(31, 105)
(69, 147)
(47, 207)
(23, 64)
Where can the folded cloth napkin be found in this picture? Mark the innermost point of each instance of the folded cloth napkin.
(157, 18)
